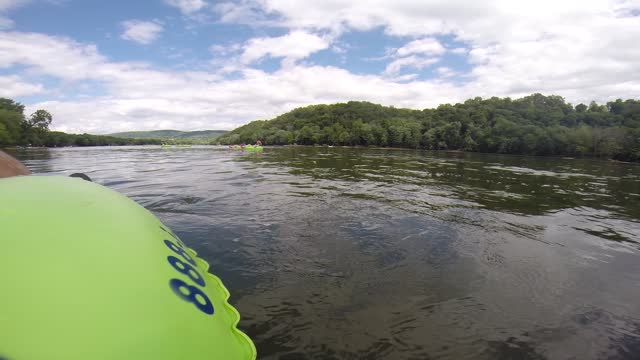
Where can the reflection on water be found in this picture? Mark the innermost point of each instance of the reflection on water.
(337, 253)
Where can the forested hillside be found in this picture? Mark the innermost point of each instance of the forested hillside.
(171, 134)
(536, 125)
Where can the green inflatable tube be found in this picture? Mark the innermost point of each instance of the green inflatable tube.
(86, 273)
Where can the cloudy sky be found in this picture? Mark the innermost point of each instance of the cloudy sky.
(103, 66)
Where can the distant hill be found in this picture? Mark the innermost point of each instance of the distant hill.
(171, 134)
(532, 125)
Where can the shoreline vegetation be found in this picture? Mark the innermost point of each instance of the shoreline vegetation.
(532, 125)
(175, 137)
(16, 130)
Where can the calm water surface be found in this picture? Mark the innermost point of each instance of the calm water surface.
(334, 253)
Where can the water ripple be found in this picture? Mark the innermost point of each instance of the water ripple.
(335, 253)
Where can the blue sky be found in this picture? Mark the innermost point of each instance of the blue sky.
(104, 66)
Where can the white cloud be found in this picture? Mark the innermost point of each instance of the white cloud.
(411, 61)
(400, 17)
(59, 57)
(516, 47)
(426, 46)
(243, 12)
(11, 86)
(416, 54)
(187, 7)
(580, 50)
(224, 104)
(293, 46)
(222, 50)
(5, 7)
(140, 97)
(142, 32)
(445, 72)
(490, 20)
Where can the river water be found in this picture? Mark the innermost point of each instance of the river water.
(334, 253)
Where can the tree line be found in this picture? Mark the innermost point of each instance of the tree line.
(533, 125)
(18, 130)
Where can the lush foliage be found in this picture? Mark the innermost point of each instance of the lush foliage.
(536, 124)
(17, 130)
(175, 136)
(57, 138)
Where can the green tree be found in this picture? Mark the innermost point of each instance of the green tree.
(451, 135)
(41, 119)
(5, 139)
(468, 144)
(581, 108)
(11, 126)
(535, 124)
(308, 135)
(10, 105)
